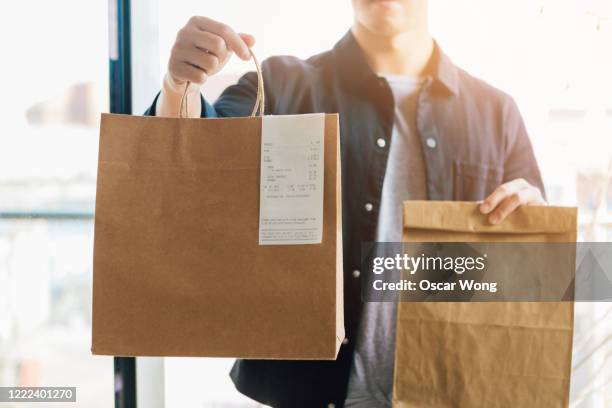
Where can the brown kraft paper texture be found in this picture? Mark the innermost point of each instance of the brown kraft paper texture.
(178, 269)
(497, 354)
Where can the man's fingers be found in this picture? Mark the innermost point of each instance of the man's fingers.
(209, 42)
(234, 41)
(507, 197)
(248, 39)
(507, 205)
(500, 193)
(187, 71)
(524, 196)
(206, 61)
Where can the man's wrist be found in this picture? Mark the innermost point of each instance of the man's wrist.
(169, 101)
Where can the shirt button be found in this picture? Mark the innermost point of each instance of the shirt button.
(345, 341)
(381, 142)
(356, 273)
(369, 207)
(431, 142)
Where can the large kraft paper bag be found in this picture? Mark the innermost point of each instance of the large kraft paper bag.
(497, 354)
(178, 269)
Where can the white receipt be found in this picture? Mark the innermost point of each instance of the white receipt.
(291, 184)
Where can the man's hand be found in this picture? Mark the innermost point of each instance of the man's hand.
(509, 196)
(203, 47)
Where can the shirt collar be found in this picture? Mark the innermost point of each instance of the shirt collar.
(356, 68)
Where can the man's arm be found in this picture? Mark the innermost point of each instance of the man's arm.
(522, 180)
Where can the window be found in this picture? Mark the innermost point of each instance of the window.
(54, 86)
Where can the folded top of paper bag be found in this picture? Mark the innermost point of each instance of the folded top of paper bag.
(462, 216)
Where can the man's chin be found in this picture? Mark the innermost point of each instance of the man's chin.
(385, 28)
(389, 6)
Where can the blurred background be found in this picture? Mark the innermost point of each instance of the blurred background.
(553, 56)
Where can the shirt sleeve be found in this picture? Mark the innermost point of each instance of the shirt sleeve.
(239, 99)
(520, 160)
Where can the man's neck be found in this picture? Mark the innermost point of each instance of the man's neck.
(403, 54)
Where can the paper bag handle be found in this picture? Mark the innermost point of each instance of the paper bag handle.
(258, 109)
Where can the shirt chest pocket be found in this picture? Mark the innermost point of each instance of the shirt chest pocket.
(475, 181)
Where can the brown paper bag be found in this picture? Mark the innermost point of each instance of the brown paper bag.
(505, 354)
(178, 269)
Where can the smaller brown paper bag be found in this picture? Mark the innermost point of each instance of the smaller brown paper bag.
(503, 354)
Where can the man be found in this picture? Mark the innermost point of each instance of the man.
(413, 126)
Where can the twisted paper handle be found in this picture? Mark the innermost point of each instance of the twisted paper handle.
(258, 109)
